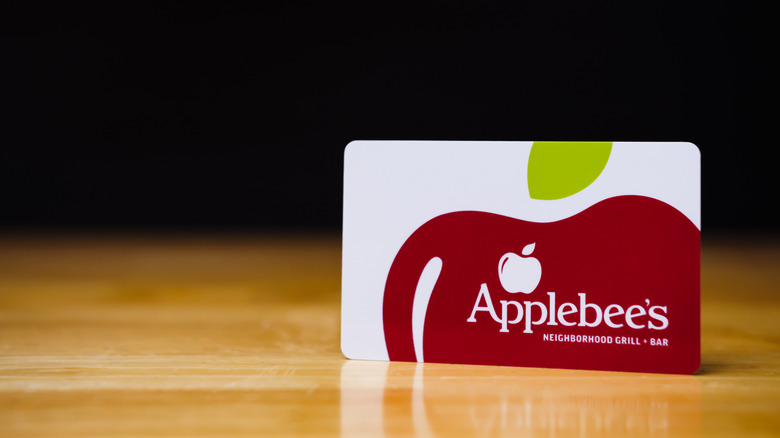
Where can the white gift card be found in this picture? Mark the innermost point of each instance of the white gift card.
(546, 254)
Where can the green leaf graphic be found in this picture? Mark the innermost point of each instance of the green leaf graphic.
(560, 169)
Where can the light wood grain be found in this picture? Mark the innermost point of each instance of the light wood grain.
(238, 336)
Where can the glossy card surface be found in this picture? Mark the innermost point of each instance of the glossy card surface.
(536, 254)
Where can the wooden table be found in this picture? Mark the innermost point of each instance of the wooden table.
(239, 336)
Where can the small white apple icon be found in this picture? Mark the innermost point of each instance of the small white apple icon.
(520, 274)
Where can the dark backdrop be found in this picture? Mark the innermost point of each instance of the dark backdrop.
(235, 115)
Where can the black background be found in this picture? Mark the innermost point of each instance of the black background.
(234, 116)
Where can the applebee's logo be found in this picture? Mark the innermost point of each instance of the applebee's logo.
(606, 270)
(522, 274)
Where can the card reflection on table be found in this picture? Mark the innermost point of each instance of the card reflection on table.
(396, 398)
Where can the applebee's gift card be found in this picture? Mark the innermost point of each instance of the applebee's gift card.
(537, 254)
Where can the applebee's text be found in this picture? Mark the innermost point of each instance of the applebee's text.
(590, 314)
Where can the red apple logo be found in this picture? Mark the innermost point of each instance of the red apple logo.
(520, 274)
(614, 255)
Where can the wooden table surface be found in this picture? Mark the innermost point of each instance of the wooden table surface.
(239, 336)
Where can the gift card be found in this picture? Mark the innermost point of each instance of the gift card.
(581, 255)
